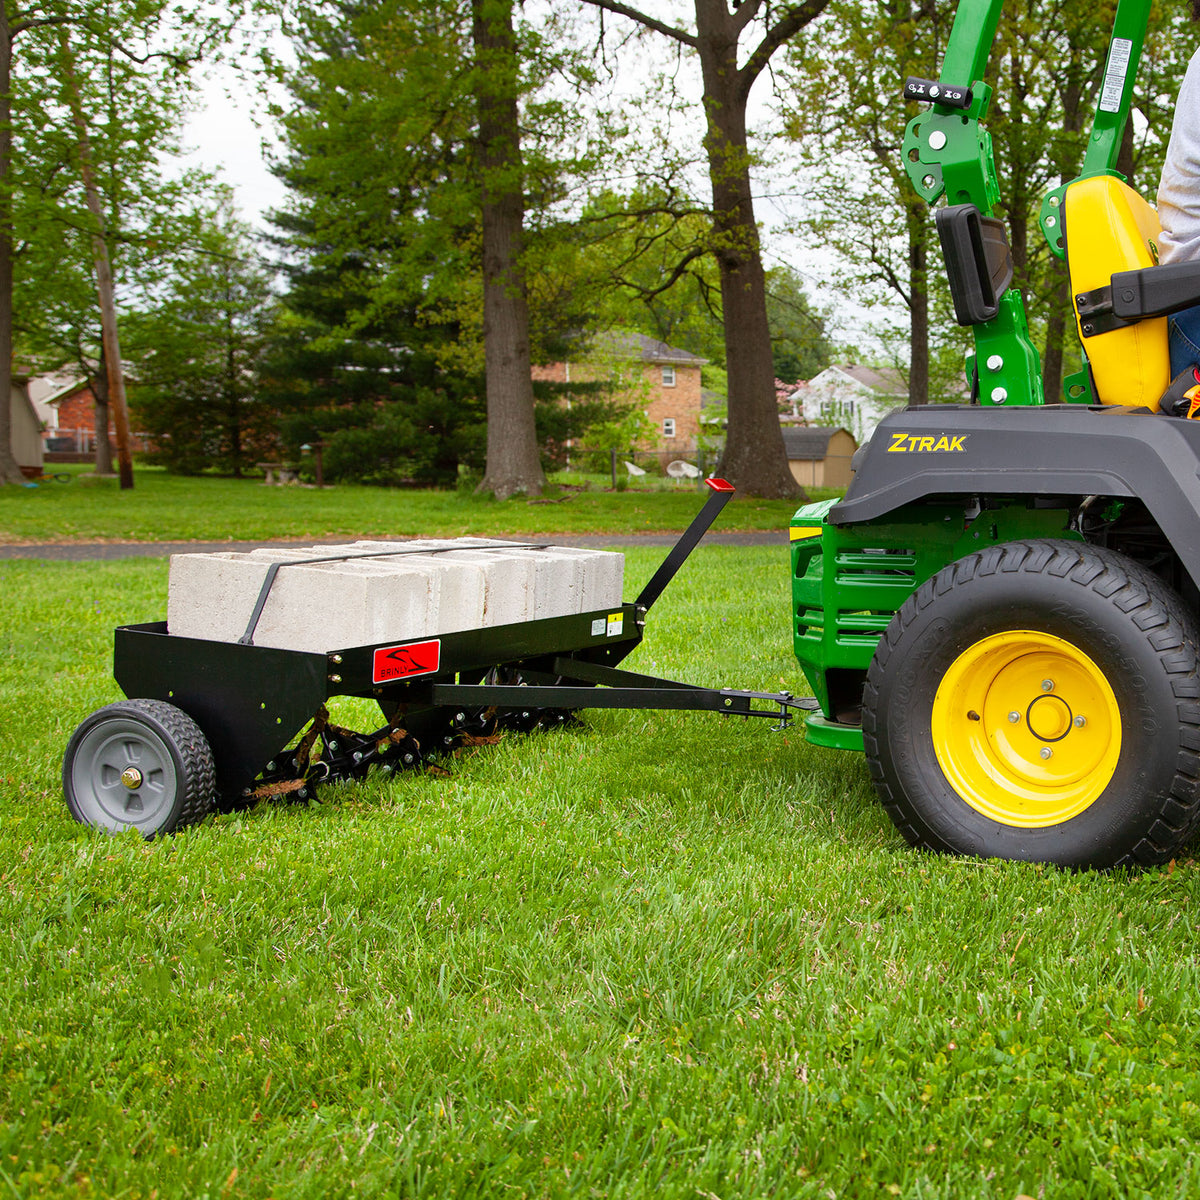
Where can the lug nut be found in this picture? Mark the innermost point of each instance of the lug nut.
(1047, 685)
(408, 760)
(1013, 717)
(1080, 722)
(1047, 752)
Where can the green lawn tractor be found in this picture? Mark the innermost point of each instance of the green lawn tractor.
(1003, 612)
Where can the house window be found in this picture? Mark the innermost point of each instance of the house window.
(668, 427)
(837, 408)
(668, 376)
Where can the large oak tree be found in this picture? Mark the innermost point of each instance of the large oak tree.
(734, 45)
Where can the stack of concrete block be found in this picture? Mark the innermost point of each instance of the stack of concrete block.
(376, 591)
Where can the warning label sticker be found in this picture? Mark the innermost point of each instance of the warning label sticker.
(616, 622)
(1114, 77)
(403, 662)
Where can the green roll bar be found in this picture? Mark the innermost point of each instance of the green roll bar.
(948, 153)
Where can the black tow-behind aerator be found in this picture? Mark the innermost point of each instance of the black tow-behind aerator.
(214, 725)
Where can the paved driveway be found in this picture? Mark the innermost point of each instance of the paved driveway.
(106, 551)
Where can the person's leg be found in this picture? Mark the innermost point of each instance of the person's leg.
(1183, 338)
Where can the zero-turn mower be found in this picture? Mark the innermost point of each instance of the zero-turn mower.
(1002, 612)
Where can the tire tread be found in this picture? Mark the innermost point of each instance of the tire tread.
(1169, 630)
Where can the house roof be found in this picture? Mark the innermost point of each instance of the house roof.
(647, 349)
(810, 442)
(886, 380)
(46, 392)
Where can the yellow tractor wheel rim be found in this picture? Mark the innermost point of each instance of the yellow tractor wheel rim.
(1026, 729)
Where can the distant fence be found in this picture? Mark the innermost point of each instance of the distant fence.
(644, 462)
(79, 445)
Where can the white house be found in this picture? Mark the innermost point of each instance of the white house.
(854, 397)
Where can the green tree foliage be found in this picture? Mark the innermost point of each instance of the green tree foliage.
(91, 96)
(848, 132)
(800, 347)
(652, 273)
(194, 355)
(408, 178)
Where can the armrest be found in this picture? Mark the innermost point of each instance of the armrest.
(1155, 291)
(978, 261)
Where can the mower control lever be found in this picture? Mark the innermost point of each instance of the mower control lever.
(930, 91)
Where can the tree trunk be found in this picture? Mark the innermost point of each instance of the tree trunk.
(10, 472)
(1056, 331)
(233, 405)
(754, 458)
(100, 410)
(918, 306)
(104, 282)
(513, 462)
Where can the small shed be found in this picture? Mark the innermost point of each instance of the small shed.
(819, 455)
(26, 430)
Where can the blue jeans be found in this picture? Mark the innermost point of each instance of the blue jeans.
(1183, 338)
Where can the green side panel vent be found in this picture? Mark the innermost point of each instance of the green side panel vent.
(848, 581)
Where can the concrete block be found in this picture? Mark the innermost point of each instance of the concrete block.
(368, 595)
(316, 606)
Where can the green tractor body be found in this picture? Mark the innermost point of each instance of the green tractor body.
(1002, 610)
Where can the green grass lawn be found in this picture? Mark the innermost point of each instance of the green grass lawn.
(164, 507)
(660, 955)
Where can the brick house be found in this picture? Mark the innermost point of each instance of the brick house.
(67, 407)
(660, 379)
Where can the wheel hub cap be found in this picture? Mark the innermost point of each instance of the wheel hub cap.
(1047, 766)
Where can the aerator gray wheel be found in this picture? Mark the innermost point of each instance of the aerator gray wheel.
(139, 764)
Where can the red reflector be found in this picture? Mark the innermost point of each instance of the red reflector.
(401, 662)
(720, 485)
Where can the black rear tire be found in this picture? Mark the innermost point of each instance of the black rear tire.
(963, 743)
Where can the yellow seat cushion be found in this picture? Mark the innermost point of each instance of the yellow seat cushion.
(1111, 228)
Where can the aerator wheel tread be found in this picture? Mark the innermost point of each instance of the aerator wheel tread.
(1128, 616)
(168, 731)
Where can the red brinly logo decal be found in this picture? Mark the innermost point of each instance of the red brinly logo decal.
(402, 662)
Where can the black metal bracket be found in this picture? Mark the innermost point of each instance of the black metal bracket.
(722, 494)
(655, 693)
(1095, 309)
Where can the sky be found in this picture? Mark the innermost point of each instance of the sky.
(227, 134)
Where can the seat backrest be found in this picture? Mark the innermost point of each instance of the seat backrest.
(1111, 228)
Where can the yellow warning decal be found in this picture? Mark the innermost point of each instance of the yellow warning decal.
(616, 624)
(909, 443)
(799, 532)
